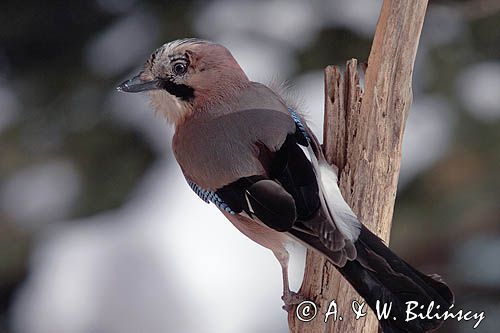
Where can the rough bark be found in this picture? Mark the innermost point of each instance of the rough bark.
(363, 134)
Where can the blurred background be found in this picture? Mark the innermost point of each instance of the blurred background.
(99, 232)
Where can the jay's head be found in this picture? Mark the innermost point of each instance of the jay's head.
(187, 76)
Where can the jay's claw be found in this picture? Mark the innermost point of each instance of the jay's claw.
(291, 299)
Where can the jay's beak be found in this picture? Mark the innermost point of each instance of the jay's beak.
(136, 84)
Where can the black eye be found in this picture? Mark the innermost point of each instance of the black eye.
(179, 68)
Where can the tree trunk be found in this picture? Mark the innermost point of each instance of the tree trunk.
(363, 134)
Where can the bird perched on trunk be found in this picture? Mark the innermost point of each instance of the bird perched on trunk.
(242, 148)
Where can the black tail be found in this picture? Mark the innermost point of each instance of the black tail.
(378, 274)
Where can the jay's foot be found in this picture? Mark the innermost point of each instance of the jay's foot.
(291, 299)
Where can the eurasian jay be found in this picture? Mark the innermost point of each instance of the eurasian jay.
(243, 148)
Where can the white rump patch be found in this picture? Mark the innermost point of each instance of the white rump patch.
(344, 218)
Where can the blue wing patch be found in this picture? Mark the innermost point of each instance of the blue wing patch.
(299, 124)
(210, 196)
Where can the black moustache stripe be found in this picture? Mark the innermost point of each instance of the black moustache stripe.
(184, 92)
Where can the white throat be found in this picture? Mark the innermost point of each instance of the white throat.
(170, 107)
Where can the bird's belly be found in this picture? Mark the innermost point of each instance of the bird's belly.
(259, 233)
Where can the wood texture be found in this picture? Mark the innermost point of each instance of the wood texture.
(363, 134)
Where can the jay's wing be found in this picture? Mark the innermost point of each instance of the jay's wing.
(286, 193)
(290, 194)
(260, 158)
